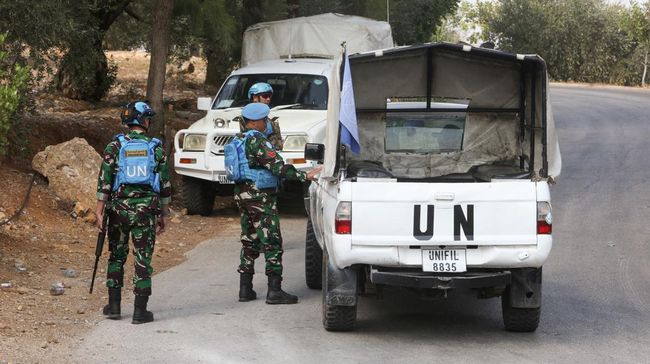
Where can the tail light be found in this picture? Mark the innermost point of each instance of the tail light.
(544, 218)
(343, 218)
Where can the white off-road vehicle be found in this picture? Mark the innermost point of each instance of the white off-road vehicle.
(450, 189)
(296, 58)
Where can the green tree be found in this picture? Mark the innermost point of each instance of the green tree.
(84, 72)
(415, 21)
(13, 79)
(637, 22)
(581, 40)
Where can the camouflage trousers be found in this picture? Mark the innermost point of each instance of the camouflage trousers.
(139, 223)
(260, 230)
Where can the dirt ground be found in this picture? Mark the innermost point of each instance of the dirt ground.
(46, 245)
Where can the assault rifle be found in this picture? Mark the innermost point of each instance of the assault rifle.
(101, 236)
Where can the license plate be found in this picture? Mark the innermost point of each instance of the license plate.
(223, 179)
(444, 260)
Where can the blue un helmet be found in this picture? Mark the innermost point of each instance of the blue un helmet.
(257, 111)
(259, 88)
(135, 112)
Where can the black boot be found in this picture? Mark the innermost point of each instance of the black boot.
(112, 309)
(275, 294)
(140, 313)
(246, 292)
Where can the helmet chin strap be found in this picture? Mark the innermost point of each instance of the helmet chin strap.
(141, 126)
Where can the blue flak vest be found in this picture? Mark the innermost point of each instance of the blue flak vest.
(237, 167)
(136, 163)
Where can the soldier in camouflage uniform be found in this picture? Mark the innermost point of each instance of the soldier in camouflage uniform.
(260, 223)
(135, 210)
(263, 92)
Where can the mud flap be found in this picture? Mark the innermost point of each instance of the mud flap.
(526, 288)
(341, 285)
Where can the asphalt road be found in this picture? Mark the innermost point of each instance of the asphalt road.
(596, 282)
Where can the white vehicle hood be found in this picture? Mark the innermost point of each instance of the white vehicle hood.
(291, 121)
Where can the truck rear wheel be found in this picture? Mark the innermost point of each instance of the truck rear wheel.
(335, 317)
(519, 319)
(198, 196)
(313, 259)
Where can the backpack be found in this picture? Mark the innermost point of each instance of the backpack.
(136, 163)
(237, 168)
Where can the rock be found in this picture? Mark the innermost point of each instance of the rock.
(57, 289)
(184, 211)
(20, 267)
(44, 345)
(81, 311)
(22, 290)
(69, 273)
(176, 220)
(71, 169)
(79, 210)
(90, 218)
(2, 216)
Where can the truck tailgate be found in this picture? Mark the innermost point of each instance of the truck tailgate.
(433, 214)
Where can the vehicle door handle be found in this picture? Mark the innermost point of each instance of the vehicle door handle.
(444, 196)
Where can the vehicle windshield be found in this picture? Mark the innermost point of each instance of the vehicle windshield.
(305, 91)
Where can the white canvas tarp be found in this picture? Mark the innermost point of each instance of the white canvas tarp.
(487, 80)
(318, 36)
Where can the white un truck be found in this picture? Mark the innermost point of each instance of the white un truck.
(450, 189)
(296, 57)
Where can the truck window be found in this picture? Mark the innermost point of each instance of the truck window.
(424, 132)
(303, 91)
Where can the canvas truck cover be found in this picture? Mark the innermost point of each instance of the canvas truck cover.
(318, 36)
(509, 112)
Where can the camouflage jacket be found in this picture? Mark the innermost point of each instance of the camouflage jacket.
(261, 154)
(143, 194)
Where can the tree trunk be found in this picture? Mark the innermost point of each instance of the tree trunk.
(645, 68)
(159, 48)
(84, 72)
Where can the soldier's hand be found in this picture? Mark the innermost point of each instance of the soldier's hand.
(311, 175)
(161, 224)
(99, 215)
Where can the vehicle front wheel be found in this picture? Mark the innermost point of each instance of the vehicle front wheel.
(198, 196)
(335, 317)
(313, 259)
(519, 319)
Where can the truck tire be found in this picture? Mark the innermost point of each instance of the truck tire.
(336, 318)
(313, 259)
(519, 319)
(198, 196)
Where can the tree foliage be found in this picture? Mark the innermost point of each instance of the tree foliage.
(13, 79)
(415, 21)
(85, 73)
(581, 40)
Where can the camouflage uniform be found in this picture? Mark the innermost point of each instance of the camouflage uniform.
(260, 223)
(132, 210)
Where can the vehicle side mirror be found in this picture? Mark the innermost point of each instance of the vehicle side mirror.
(204, 103)
(315, 152)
